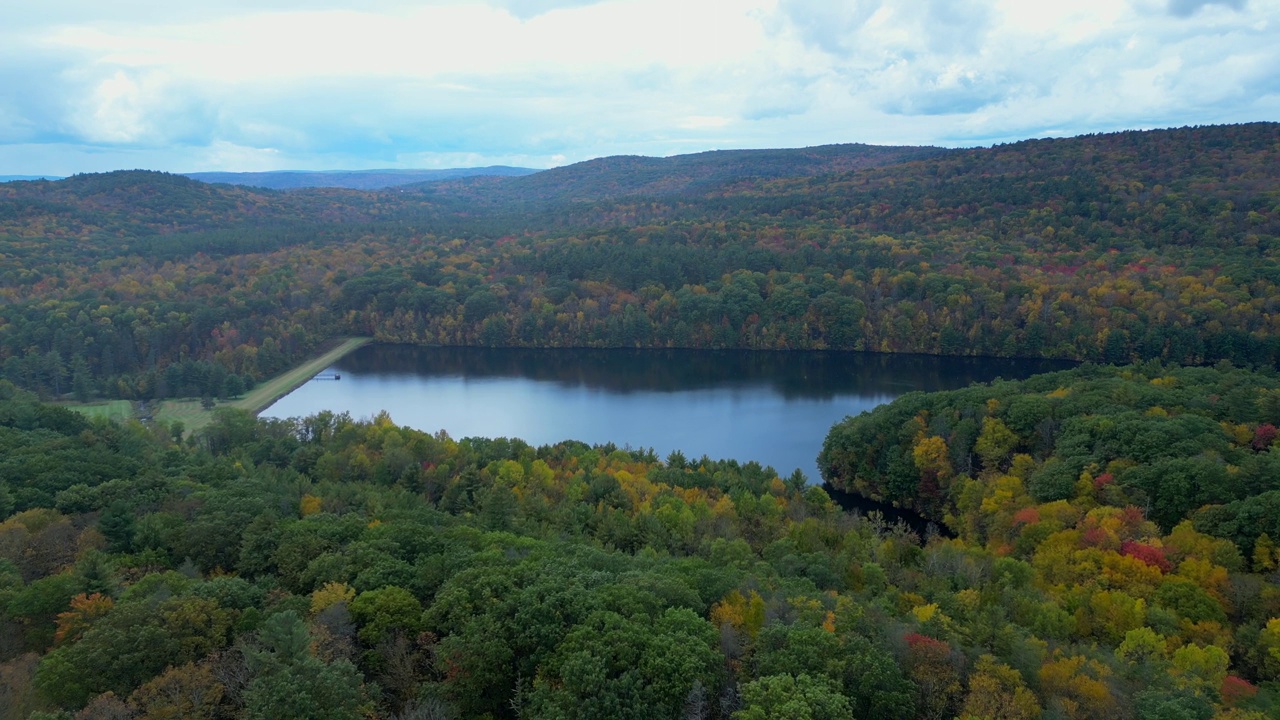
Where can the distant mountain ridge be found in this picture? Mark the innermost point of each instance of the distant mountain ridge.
(353, 179)
(137, 203)
(698, 173)
(22, 178)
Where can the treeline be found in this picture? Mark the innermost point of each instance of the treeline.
(1112, 248)
(329, 568)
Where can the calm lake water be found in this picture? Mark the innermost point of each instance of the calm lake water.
(772, 407)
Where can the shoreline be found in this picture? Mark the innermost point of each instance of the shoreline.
(269, 391)
(194, 417)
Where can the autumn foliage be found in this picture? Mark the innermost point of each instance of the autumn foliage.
(1110, 248)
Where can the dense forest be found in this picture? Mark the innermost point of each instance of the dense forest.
(1110, 248)
(1114, 558)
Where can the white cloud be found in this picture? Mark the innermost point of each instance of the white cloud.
(1012, 68)
(436, 41)
(327, 83)
(222, 155)
(114, 112)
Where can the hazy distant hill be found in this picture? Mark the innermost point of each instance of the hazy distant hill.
(699, 173)
(15, 178)
(353, 179)
(135, 203)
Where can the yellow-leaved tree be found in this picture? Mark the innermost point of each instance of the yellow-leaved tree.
(997, 692)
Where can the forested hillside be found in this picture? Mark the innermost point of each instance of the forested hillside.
(1111, 248)
(680, 175)
(331, 568)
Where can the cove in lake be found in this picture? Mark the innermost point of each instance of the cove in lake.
(771, 407)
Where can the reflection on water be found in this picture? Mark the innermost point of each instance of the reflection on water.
(773, 407)
(800, 375)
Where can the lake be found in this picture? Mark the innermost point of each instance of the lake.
(772, 407)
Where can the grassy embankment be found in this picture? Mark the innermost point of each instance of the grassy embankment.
(194, 417)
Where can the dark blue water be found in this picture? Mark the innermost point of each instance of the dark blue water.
(771, 407)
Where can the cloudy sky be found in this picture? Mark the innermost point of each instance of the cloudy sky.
(245, 85)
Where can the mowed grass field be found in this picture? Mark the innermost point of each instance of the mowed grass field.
(109, 409)
(194, 417)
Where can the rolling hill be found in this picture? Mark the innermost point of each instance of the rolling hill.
(679, 175)
(352, 179)
(1138, 245)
